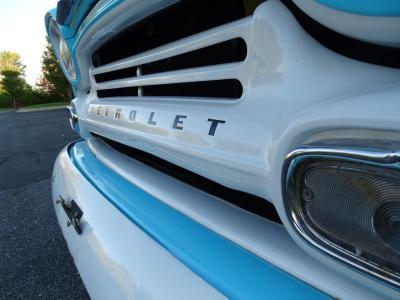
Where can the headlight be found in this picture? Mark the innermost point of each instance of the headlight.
(347, 204)
(62, 50)
(67, 59)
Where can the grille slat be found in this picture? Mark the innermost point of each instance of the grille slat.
(223, 71)
(203, 61)
(182, 19)
(212, 55)
(223, 33)
(214, 89)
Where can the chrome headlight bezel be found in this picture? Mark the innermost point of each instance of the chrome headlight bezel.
(369, 158)
(62, 50)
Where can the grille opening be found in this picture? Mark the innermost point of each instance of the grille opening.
(228, 88)
(234, 50)
(118, 74)
(246, 201)
(122, 92)
(177, 21)
(356, 49)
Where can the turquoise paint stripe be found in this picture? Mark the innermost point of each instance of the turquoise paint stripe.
(101, 8)
(366, 7)
(78, 13)
(233, 270)
(71, 12)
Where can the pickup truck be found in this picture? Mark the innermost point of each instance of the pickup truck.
(239, 149)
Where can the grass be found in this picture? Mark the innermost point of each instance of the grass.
(50, 104)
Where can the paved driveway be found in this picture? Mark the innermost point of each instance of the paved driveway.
(34, 259)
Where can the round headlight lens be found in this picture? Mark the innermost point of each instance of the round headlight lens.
(67, 59)
(62, 50)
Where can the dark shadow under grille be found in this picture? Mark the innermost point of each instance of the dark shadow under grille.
(217, 89)
(118, 74)
(121, 92)
(229, 89)
(180, 20)
(240, 199)
(234, 50)
(173, 23)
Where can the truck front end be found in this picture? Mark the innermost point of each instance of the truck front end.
(231, 149)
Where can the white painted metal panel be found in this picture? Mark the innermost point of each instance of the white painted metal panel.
(115, 258)
(295, 91)
(222, 71)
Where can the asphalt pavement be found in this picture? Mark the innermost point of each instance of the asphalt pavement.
(34, 258)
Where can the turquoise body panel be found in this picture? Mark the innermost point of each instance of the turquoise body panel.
(78, 12)
(365, 7)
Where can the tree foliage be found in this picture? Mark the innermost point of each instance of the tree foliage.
(53, 81)
(13, 85)
(52, 85)
(11, 61)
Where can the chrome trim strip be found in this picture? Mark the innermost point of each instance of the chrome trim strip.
(73, 118)
(375, 155)
(72, 112)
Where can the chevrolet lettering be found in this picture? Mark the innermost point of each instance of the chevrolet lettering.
(115, 113)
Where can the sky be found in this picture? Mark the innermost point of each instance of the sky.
(22, 30)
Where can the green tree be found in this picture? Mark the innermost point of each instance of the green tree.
(11, 61)
(53, 82)
(14, 85)
(13, 82)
